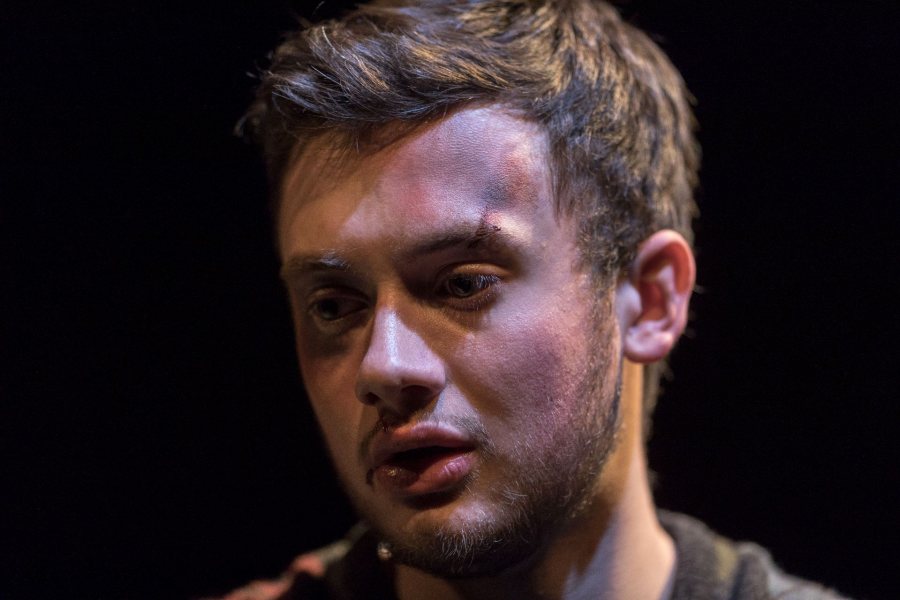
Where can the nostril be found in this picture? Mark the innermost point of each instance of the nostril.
(412, 394)
(369, 399)
(418, 393)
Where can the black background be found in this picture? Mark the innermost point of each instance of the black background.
(156, 442)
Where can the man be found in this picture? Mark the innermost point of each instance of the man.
(484, 215)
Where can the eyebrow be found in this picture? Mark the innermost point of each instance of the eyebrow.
(330, 261)
(484, 234)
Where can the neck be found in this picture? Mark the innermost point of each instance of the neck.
(616, 551)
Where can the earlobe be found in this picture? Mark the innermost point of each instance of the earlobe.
(652, 302)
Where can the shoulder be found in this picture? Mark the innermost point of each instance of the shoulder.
(347, 569)
(715, 568)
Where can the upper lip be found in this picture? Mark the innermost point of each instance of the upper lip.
(388, 444)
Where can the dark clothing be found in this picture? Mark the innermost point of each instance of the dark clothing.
(711, 567)
(708, 567)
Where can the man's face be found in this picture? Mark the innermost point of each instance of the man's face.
(462, 370)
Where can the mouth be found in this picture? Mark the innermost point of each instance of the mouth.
(419, 463)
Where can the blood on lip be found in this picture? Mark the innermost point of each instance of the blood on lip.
(418, 459)
(423, 470)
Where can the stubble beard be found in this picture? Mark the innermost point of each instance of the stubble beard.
(536, 502)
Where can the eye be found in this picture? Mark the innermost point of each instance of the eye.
(329, 309)
(462, 285)
(468, 291)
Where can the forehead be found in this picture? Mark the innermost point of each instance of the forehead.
(467, 167)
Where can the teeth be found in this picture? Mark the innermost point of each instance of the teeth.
(392, 471)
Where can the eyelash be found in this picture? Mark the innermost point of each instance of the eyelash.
(485, 288)
(315, 307)
(346, 305)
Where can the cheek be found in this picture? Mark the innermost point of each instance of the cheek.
(525, 370)
(330, 386)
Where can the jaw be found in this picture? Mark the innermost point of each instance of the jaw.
(611, 546)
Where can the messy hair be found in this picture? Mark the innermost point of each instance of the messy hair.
(623, 157)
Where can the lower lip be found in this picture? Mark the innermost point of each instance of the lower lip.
(434, 475)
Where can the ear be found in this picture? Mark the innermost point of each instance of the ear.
(652, 302)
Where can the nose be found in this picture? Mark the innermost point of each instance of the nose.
(399, 373)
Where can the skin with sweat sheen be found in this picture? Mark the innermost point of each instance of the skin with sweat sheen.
(434, 288)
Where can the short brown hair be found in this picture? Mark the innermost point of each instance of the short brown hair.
(623, 155)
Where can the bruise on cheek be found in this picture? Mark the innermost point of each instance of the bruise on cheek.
(330, 387)
(326, 356)
(311, 343)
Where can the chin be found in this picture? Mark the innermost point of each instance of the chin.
(464, 538)
(465, 553)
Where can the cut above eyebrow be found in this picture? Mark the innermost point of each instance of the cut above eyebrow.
(464, 235)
